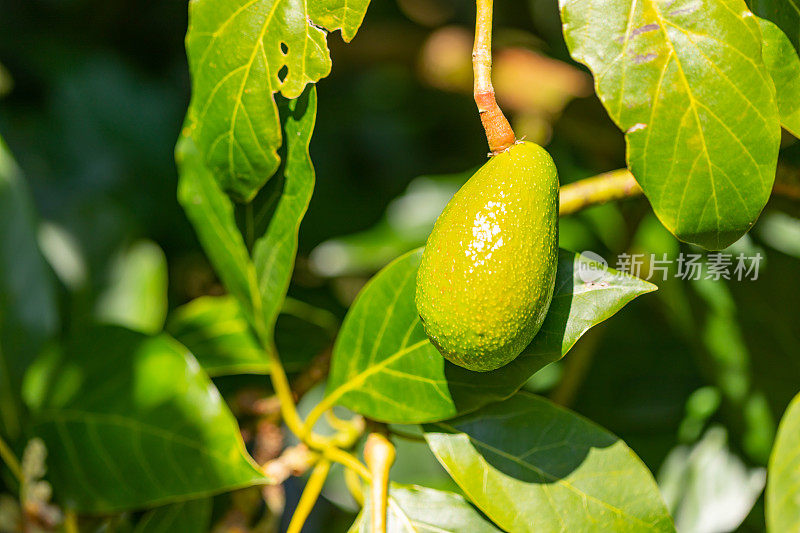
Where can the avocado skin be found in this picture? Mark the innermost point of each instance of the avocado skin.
(488, 270)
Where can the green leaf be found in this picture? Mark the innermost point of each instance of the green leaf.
(137, 293)
(211, 213)
(532, 466)
(385, 367)
(783, 65)
(193, 516)
(783, 478)
(274, 253)
(784, 13)
(687, 83)
(132, 421)
(216, 331)
(28, 314)
(242, 52)
(413, 509)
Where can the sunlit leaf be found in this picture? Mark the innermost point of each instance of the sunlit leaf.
(132, 421)
(241, 52)
(274, 253)
(192, 516)
(687, 83)
(532, 466)
(783, 478)
(385, 367)
(413, 509)
(783, 64)
(27, 302)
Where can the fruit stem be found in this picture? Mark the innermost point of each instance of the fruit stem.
(379, 454)
(498, 131)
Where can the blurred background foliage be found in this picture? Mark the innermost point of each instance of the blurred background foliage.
(693, 378)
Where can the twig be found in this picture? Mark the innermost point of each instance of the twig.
(11, 461)
(498, 130)
(601, 189)
(310, 495)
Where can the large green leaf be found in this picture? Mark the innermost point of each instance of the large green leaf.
(413, 509)
(27, 303)
(193, 516)
(131, 421)
(241, 52)
(385, 367)
(784, 13)
(783, 477)
(274, 253)
(784, 67)
(533, 466)
(211, 214)
(687, 83)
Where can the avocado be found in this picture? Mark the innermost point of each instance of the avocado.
(488, 270)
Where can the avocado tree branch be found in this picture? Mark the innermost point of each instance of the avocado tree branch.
(309, 496)
(498, 130)
(601, 189)
(379, 454)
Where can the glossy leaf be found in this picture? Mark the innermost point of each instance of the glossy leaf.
(28, 313)
(211, 213)
(275, 252)
(242, 52)
(193, 516)
(783, 475)
(385, 367)
(413, 509)
(687, 83)
(532, 466)
(136, 296)
(783, 65)
(132, 421)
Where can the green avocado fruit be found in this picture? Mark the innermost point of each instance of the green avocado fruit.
(488, 270)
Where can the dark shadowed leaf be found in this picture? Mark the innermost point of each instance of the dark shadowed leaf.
(784, 13)
(533, 466)
(385, 367)
(27, 302)
(413, 509)
(687, 83)
(241, 52)
(132, 421)
(783, 475)
(193, 516)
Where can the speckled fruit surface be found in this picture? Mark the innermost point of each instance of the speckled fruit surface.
(488, 270)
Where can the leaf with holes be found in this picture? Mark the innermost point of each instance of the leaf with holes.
(28, 314)
(412, 509)
(687, 83)
(783, 478)
(783, 64)
(532, 466)
(385, 367)
(242, 52)
(132, 421)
